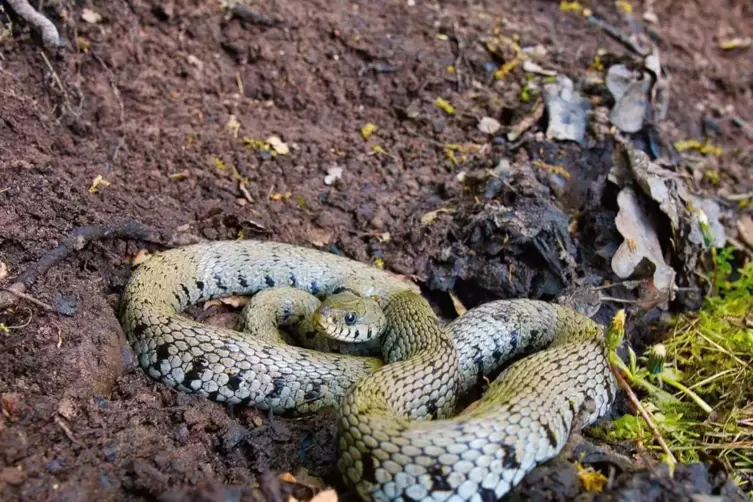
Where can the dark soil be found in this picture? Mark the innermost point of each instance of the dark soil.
(143, 98)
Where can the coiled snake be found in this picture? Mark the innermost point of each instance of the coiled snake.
(389, 449)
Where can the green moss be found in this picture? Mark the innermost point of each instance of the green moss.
(701, 398)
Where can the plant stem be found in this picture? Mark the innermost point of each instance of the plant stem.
(646, 416)
(692, 395)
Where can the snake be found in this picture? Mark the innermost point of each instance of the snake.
(399, 438)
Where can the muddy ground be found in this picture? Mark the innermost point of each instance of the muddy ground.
(144, 97)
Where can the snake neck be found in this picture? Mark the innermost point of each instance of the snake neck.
(422, 356)
(412, 328)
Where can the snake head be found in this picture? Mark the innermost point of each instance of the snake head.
(349, 318)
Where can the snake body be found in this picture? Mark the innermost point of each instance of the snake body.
(389, 449)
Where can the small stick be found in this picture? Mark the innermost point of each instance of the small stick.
(55, 76)
(735, 197)
(30, 299)
(615, 34)
(77, 240)
(634, 399)
(68, 433)
(459, 58)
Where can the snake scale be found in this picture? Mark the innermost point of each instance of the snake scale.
(398, 440)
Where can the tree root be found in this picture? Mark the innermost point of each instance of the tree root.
(76, 241)
(45, 27)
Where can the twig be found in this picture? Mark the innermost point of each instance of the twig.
(747, 128)
(115, 89)
(614, 33)
(55, 76)
(634, 400)
(68, 432)
(616, 300)
(50, 36)
(459, 57)
(736, 197)
(26, 323)
(6, 72)
(30, 299)
(76, 241)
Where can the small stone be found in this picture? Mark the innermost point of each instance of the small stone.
(110, 452)
(334, 173)
(67, 305)
(488, 125)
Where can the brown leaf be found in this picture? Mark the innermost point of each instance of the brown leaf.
(459, 307)
(141, 257)
(319, 237)
(287, 477)
(429, 217)
(744, 230)
(235, 301)
(90, 16)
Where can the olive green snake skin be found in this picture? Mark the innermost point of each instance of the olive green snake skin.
(389, 449)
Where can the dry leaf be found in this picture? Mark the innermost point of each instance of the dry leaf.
(99, 180)
(531, 67)
(280, 196)
(233, 125)
(736, 43)
(90, 16)
(567, 110)
(319, 237)
(287, 477)
(195, 62)
(429, 217)
(445, 105)
(83, 44)
(379, 149)
(141, 257)
(641, 243)
(334, 173)
(744, 231)
(460, 309)
(526, 122)
(235, 301)
(277, 145)
(325, 496)
(591, 479)
(367, 130)
(211, 303)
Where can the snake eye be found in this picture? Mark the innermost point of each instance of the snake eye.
(350, 318)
